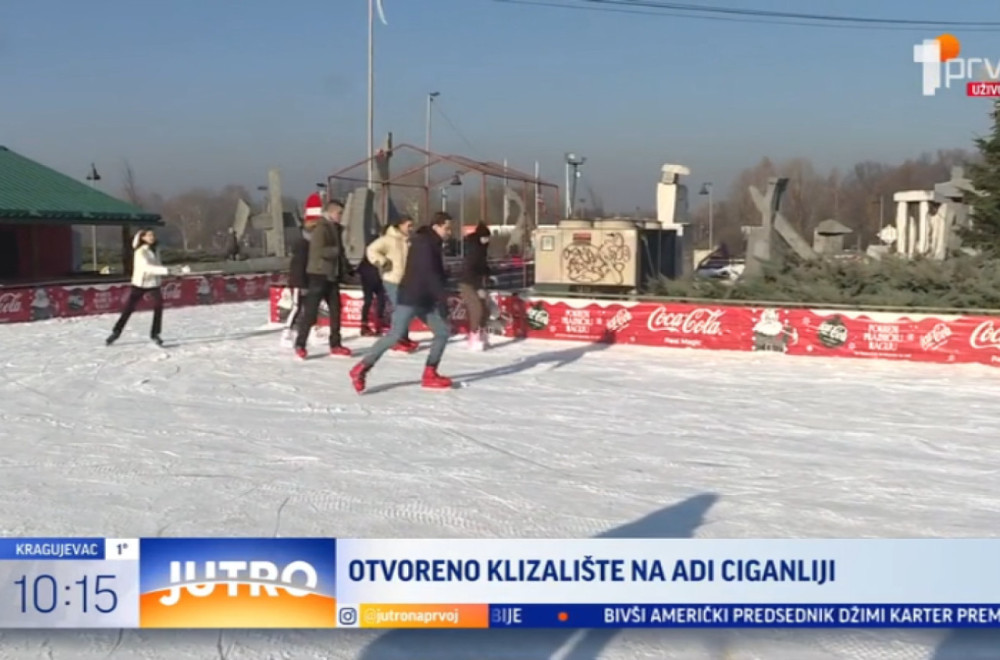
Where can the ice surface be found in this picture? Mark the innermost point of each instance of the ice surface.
(225, 434)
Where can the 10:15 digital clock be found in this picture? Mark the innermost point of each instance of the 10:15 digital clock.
(72, 593)
(41, 594)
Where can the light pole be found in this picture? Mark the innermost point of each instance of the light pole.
(706, 189)
(427, 142)
(573, 163)
(92, 178)
(371, 94)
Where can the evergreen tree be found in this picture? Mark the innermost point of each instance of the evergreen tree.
(984, 235)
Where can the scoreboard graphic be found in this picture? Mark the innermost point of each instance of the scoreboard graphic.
(268, 583)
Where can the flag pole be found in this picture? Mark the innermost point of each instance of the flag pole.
(371, 94)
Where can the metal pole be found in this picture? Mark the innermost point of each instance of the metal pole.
(93, 235)
(427, 141)
(711, 221)
(444, 199)
(569, 193)
(371, 94)
(538, 196)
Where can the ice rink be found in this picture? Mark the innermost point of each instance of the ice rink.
(223, 433)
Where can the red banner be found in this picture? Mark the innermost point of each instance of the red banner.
(49, 302)
(824, 333)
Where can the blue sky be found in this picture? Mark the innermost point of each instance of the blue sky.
(207, 92)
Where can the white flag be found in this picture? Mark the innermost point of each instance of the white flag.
(381, 12)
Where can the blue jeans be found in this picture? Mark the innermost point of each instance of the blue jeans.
(392, 292)
(402, 316)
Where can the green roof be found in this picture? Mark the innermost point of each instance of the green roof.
(31, 192)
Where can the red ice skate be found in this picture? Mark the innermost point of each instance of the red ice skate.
(406, 346)
(358, 374)
(301, 353)
(340, 351)
(432, 380)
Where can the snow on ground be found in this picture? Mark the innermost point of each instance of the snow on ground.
(224, 434)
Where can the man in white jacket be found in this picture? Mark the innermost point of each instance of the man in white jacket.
(147, 272)
(388, 254)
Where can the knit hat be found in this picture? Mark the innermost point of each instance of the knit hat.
(314, 208)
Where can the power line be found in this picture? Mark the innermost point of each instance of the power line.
(456, 129)
(736, 15)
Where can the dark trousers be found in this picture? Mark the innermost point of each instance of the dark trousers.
(478, 311)
(320, 289)
(134, 296)
(374, 292)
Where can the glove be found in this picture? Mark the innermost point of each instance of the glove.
(185, 270)
(386, 266)
(492, 280)
(481, 293)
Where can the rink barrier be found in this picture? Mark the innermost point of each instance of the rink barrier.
(910, 337)
(41, 302)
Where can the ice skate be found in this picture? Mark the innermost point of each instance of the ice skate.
(432, 380)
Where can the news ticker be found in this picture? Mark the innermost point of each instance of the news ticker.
(465, 583)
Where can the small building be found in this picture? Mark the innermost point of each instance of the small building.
(828, 238)
(38, 209)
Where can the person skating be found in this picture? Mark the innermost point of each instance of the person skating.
(373, 292)
(472, 285)
(297, 276)
(147, 272)
(326, 268)
(388, 254)
(422, 294)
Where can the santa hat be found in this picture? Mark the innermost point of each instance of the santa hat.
(314, 208)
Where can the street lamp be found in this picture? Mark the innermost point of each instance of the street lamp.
(573, 163)
(92, 178)
(706, 189)
(427, 142)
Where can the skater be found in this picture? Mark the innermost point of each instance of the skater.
(388, 254)
(472, 285)
(422, 294)
(326, 268)
(373, 291)
(297, 276)
(146, 273)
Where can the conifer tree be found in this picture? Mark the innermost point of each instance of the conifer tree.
(984, 234)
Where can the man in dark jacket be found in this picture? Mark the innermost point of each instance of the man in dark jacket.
(326, 268)
(472, 284)
(422, 294)
(297, 280)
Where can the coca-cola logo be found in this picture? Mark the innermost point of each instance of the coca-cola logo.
(621, 319)
(700, 321)
(937, 336)
(102, 300)
(456, 310)
(986, 335)
(11, 302)
(172, 291)
(832, 333)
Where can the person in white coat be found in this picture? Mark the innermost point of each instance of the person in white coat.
(147, 272)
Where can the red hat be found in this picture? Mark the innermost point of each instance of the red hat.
(314, 208)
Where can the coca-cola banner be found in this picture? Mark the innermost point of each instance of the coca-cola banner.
(825, 333)
(38, 303)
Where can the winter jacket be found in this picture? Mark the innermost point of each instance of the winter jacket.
(298, 278)
(326, 253)
(146, 267)
(475, 264)
(424, 277)
(388, 254)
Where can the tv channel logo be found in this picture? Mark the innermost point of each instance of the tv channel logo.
(237, 583)
(941, 66)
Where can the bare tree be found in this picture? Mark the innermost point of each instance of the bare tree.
(130, 188)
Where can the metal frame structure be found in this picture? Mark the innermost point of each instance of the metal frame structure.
(463, 166)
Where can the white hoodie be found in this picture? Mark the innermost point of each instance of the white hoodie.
(146, 267)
